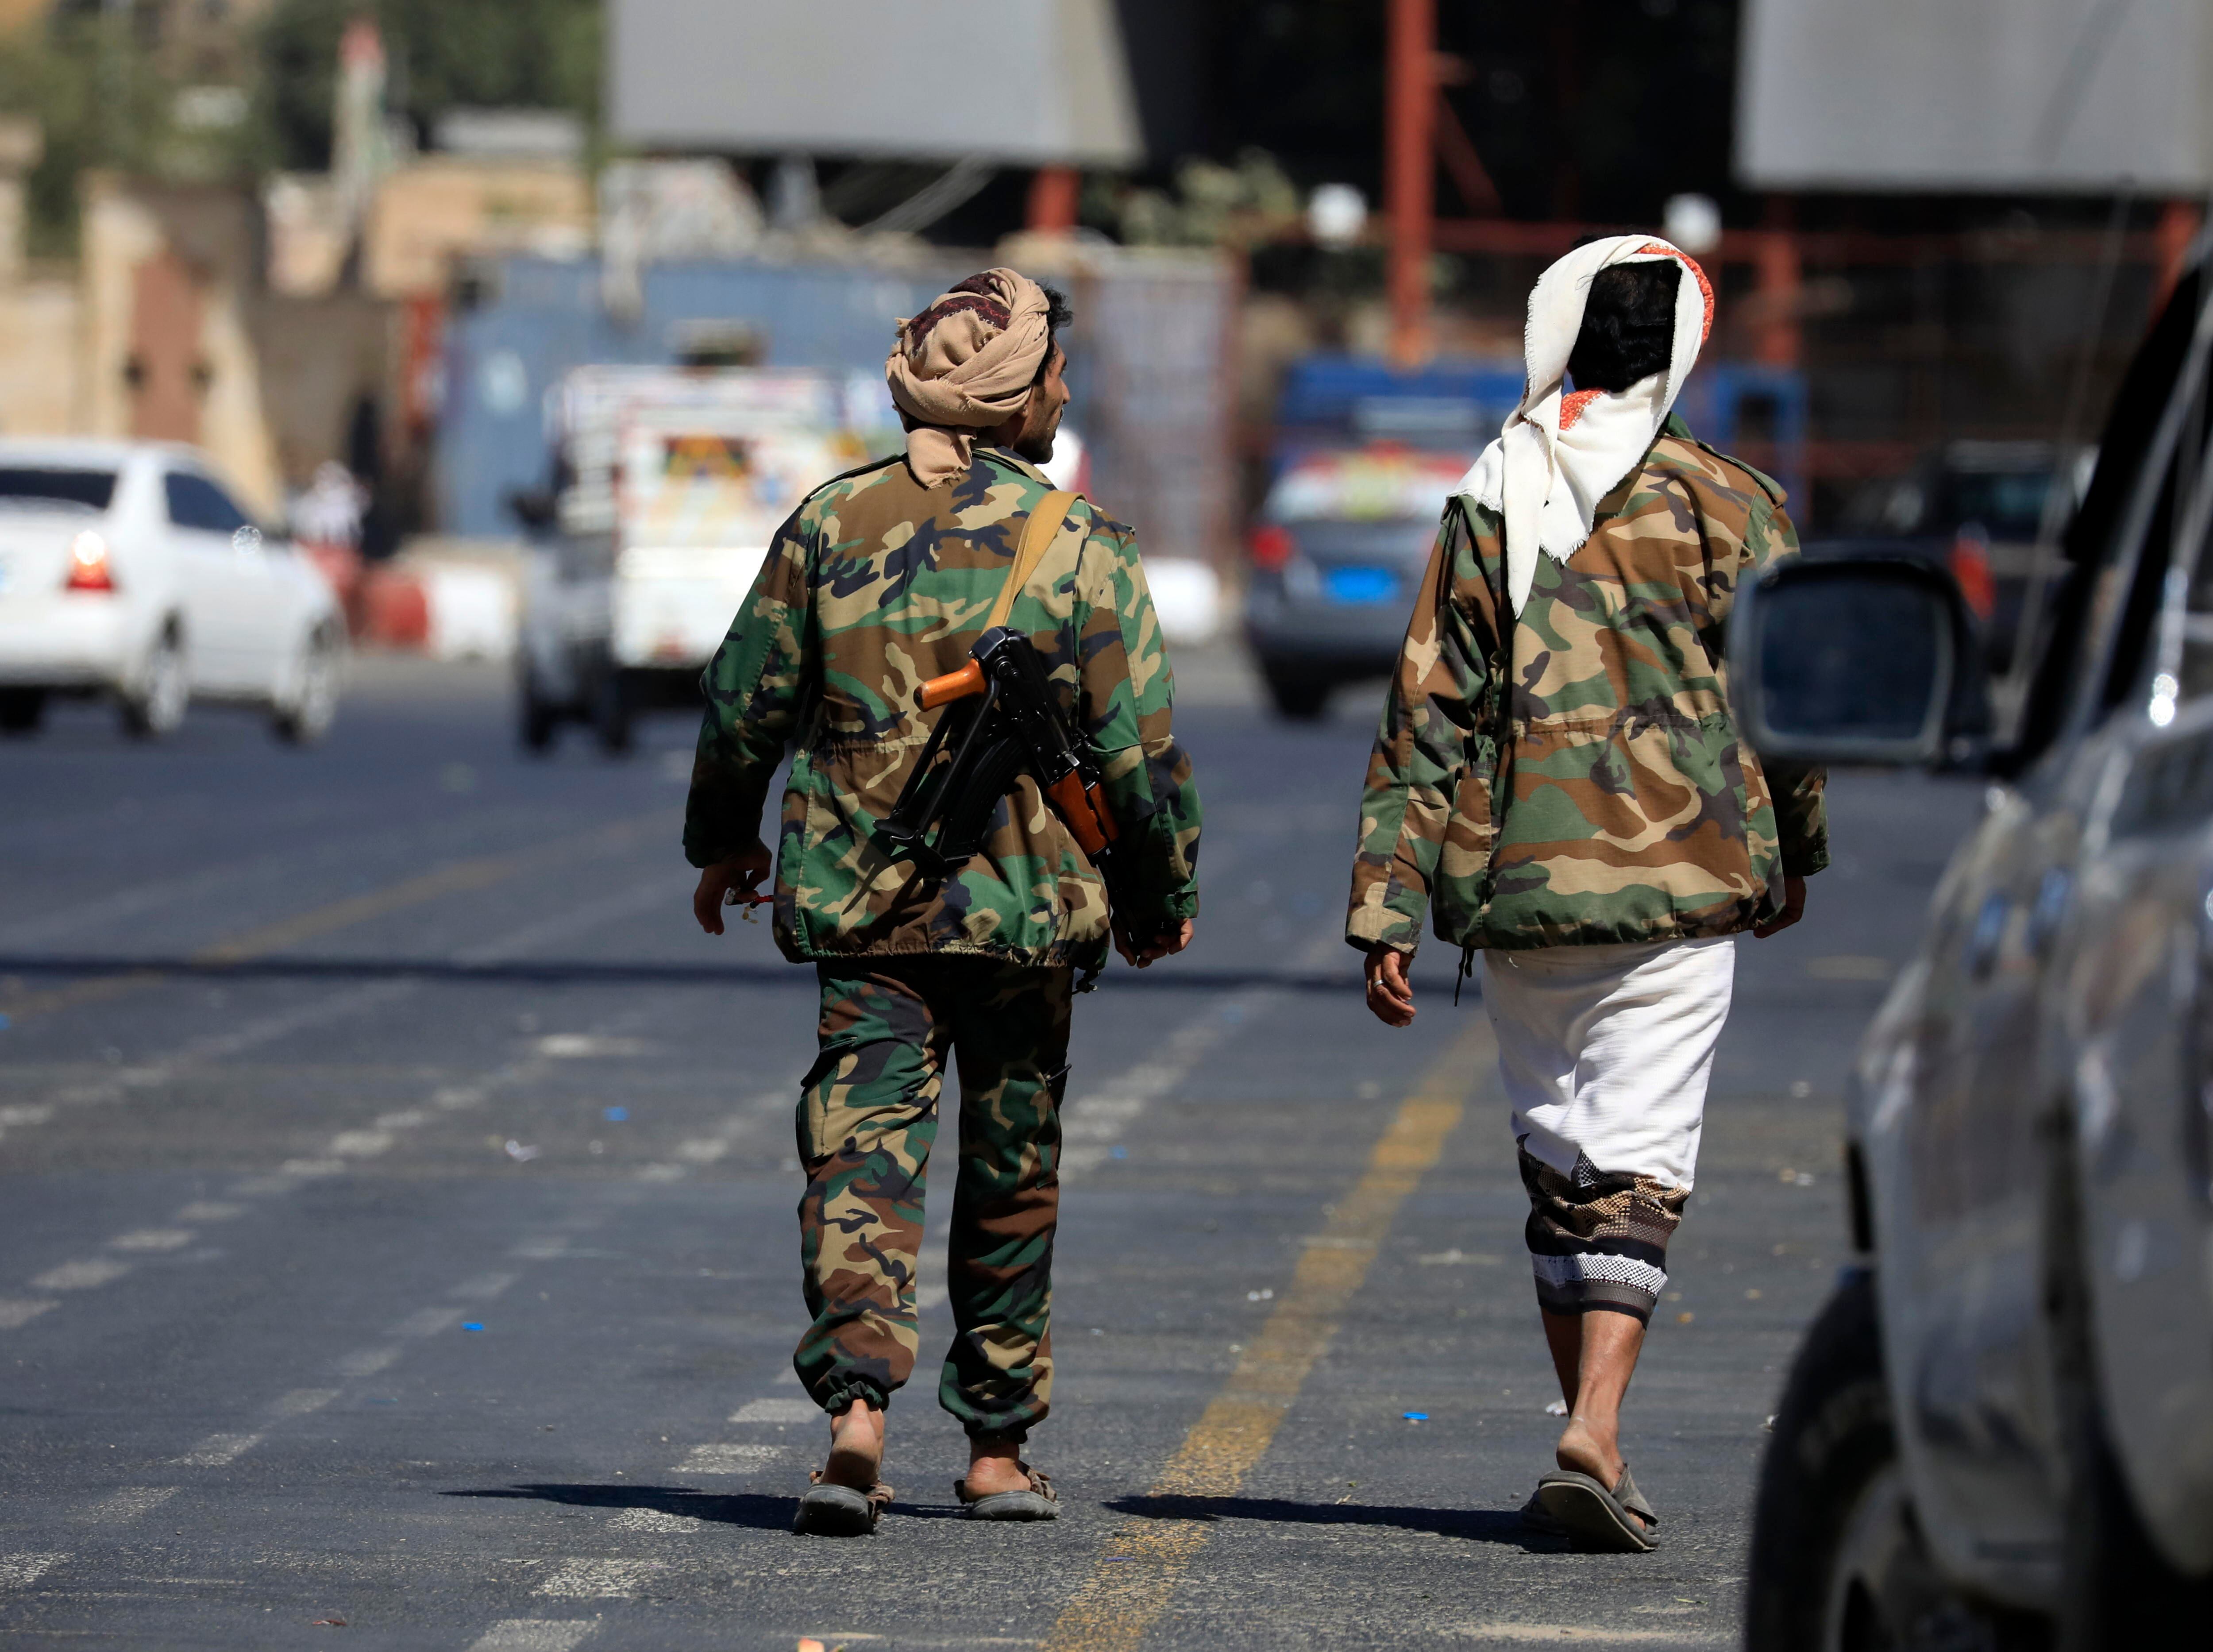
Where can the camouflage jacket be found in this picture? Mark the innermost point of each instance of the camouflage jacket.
(873, 586)
(1570, 775)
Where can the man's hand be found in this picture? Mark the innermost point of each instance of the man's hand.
(1174, 940)
(742, 872)
(1794, 908)
(1390, 994)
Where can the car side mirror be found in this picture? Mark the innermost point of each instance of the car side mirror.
(1863, 659)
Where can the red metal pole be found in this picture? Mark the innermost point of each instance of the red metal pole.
(1410, 169)
(1053, 194)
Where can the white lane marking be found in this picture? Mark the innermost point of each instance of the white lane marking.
(360, 1143)
(16, 1311)
(542, 1248)
(427, 1322)
(20, 1572)
(657, 1522)
(572, 1046)
(408, 1118)
(301, 1401)
(455, 1098)
(707, 1150)
(727, 1459)
(217, 1450)
(589, 1579)
(209, 1211)
(117, 1508)
(787, 1378)
(532, 1635)
(307, 1170)
(18, 1117)
(776, 1411)
(482, 1287)
(81, 1276)
(152, 1239)
(367, 1363)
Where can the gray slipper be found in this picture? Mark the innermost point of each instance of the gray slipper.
(1039, 1502)
(1598, 1519)
(828, 1511)
(1536, 1518)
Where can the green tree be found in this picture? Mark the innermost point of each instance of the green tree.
(442, 54)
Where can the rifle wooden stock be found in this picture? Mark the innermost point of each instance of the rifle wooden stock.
(954, 686)
(1082, 812)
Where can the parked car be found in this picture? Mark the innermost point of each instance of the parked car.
(1979, 510)
(1999, 1432)
(1336, 553)
(127, 570)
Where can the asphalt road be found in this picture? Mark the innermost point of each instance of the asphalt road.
(396, 1228)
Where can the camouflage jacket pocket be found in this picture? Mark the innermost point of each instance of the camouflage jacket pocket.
(1463, 874)
(1625, 828)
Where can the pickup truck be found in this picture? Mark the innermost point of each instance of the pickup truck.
(1999, 1431)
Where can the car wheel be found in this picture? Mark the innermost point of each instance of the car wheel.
(22, 710)
(614, 714)
(1837, 1559)
(314, 703)
(537, 720)
(1301, 696)
(154, 706)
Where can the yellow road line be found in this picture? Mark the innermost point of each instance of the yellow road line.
(1129, 1587)
(457, 877)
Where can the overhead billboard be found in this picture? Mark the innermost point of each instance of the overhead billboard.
(1975, 95)
(1021, 82)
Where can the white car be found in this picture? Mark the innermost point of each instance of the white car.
(126, 569)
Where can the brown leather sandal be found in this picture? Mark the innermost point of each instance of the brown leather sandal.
(1039, 1502)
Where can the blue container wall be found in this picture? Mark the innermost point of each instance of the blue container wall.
(1321, 392)
(504, 357)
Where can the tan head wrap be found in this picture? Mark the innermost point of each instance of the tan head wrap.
(965, 365)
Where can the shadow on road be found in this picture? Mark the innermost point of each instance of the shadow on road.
(1499, 1526)
(753, 1509)
(607, 973)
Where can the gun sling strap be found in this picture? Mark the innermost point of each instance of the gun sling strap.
(1037, 534)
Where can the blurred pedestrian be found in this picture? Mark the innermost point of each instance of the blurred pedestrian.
(1559, 778)
(879, 581)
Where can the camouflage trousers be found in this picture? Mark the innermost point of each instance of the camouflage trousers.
(867, 1117)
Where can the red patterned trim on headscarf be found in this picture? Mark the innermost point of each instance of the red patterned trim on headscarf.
(1572, 405)
(1705, 287)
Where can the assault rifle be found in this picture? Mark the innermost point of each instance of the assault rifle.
(1001, 721)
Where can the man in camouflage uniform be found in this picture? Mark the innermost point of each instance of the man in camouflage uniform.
(882, 580)
(1558, 780)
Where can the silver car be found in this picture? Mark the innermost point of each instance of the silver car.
(1999, 1432)
(1334, 559)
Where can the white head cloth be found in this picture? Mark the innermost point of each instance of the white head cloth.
(1558, 454)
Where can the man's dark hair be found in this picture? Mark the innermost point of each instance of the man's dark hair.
(1057, 316)
(1629, 325)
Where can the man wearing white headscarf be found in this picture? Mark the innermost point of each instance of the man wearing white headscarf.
(1557, 780)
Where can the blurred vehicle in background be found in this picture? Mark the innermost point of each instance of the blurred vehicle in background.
(1979, 510)
(1336, 554)
(672, 483)
(127, 570)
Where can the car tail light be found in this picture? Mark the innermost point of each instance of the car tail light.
(1970, 571)
(1271, 546)
(88, 564)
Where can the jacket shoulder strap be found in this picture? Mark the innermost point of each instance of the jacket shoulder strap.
(1038, 532)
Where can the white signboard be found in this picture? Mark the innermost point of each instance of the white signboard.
(1985, 95)
(1024, 83)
